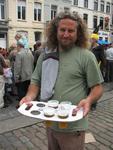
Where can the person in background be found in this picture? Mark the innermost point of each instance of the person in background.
(2, 64)
(37, 52)
(65, 73)
(11, 57)
(23, 68)
(22, 38)
(8, 83)
(98, 51)
(109, 65)
(2, 80)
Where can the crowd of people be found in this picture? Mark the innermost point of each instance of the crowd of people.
(16, 68)
(65, 68)
(103, 50)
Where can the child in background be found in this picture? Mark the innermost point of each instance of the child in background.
(8, 84)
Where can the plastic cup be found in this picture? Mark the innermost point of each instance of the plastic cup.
(66, 104)
(49, 112)
(53, 103)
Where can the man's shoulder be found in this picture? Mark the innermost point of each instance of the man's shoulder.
(86, 52)
(80, 49)
(87, 56)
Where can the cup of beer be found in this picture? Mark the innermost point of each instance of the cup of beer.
(63, 125)
(48, 123)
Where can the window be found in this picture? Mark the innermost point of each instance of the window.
(101, 22)
(85, 17)
(37, 36)
(53, 11)
(21, 9)
(2, 35)
(96, 5)
(75, 2)
(66, 9)
(102, 6)
(86, 3)
(2, 11)
(94, 21)
(37, 11)
(108, 7)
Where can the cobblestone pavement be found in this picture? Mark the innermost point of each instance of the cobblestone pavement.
(32, 135)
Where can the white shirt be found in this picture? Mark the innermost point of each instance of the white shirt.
(109, 53)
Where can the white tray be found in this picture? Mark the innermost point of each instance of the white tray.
(70, 118)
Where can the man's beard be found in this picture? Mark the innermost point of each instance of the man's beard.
(67, 47)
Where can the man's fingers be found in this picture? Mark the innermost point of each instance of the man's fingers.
(24, 100)
(74, 112)
(86, 111)
(29, 105)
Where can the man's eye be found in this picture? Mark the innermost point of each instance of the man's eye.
(71, 31)
(62, 30)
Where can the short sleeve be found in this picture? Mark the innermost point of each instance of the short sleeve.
(92, 70)
(36, 76)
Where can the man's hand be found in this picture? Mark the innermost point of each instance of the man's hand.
(85, 104)
(26, 100)
(94, 95)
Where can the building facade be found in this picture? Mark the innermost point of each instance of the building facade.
(25, 18)
(30, 17)
(52, 8)
(3, 24)
(20, 16)
(96, 13)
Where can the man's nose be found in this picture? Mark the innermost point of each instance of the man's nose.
(66, 33)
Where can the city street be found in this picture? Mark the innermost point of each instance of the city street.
(66, 33)
(18, 132)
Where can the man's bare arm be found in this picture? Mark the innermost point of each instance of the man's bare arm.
(95, 93)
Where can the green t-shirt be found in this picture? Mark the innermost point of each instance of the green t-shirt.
(78, 71)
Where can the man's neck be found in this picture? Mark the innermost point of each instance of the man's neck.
(61, 49)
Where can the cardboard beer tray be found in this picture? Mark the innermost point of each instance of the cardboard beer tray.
(38, 112)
